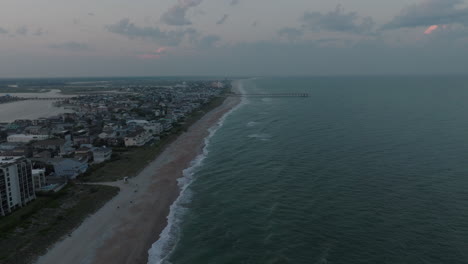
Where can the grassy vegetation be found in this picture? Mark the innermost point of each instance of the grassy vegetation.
(129, 162)
(28, 232)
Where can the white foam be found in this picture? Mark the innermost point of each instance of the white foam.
(264, 136)
(252, 123)
(162, 249)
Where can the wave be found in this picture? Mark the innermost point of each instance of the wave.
(252, 123)
(162, 249)
(263, 136)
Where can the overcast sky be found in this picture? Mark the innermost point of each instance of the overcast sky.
(43, 38)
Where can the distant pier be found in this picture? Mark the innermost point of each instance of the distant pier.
(269, 95)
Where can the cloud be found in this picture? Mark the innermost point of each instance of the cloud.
(70, 46)
(234, 2)
(3, 31)
(431, 29)
(338, 21)
(446, 34)
(291, 34)
(22, 31)
(428, 13)
(176, 15)
(208, 41)
(222, 20)
(39, 32)
(156, 54)
(167, 38)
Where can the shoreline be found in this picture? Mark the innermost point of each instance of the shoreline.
(124, 230)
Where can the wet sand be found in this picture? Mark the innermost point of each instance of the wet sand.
(125, 228)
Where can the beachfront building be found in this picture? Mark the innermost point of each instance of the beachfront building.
(69, 168)
(22, 138)
(154, 128)
(64, 168)
(102, 154)
(16, 184)
(138, 138)
(39, 178)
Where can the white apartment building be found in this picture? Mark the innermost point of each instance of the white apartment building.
(16, 184)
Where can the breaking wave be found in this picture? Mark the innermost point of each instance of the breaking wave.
(161, 250)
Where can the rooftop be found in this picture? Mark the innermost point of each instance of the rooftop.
(9, 160)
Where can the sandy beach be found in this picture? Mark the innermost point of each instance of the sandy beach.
(124, 229)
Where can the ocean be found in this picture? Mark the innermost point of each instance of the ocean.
(365, 170)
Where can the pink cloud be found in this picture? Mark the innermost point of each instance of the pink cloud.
(162, 50)
(154, 55)
(431, 29)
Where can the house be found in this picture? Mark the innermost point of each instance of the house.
(137, 138)
(102, 154)
(153, 128)
(19, 151)
(34, 130)
(65, 168)
(78, 140)
(83, 154)
(105, 135)
(56, 144)
(42, 154)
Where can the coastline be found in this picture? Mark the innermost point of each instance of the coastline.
(124, 229)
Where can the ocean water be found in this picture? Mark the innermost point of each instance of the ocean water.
(365, 170)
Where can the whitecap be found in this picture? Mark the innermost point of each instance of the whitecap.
(261, 136)
(252, 123)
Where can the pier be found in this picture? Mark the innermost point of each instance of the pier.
(269, 95)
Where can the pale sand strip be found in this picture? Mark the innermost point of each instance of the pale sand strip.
(124, 229)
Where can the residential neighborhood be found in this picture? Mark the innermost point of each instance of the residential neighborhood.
(44, 154)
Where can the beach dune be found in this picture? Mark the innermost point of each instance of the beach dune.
(124, 229)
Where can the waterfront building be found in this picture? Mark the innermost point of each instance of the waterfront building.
(16, 184)
(137, 138)
(68, 168)
(39, 178)
(154, 128)
(102, 154)
(64, 168)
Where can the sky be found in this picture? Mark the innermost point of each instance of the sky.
(58, 38)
